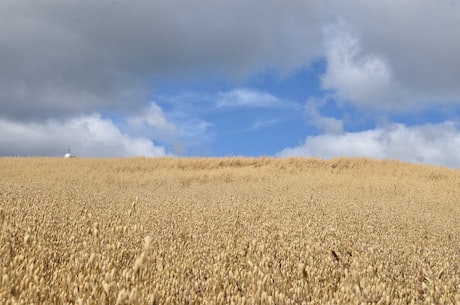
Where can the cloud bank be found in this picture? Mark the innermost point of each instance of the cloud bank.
(429, 143)
(87, 136)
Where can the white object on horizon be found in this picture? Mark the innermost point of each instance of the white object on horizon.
(68, 154)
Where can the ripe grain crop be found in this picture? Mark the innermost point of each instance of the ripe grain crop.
(228, 231)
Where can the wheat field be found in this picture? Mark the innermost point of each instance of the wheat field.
(228, 231)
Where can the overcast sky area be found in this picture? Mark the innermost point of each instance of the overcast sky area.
(313, 78)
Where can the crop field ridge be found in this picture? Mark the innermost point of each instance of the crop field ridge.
(228, 231)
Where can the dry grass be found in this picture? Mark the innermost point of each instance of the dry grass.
(228, 231)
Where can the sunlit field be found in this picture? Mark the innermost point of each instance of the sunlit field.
(228, 231)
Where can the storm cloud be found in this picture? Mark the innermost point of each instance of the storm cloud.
(64, 57)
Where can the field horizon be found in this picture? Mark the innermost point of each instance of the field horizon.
(231, 230)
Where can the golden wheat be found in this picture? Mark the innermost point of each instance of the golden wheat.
(228, 231)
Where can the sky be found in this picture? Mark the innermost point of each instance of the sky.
(212, 78)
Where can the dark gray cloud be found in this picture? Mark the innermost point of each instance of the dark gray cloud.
(394, 54)
(64, 57)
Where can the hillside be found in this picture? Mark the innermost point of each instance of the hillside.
(228, 230)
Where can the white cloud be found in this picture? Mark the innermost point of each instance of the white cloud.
(187, 112)
(323, 123)
(264, 123)
(152, 122)
(194, 130)
(247, 98)
(364, 79)
(87, 136)
(429, 143)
